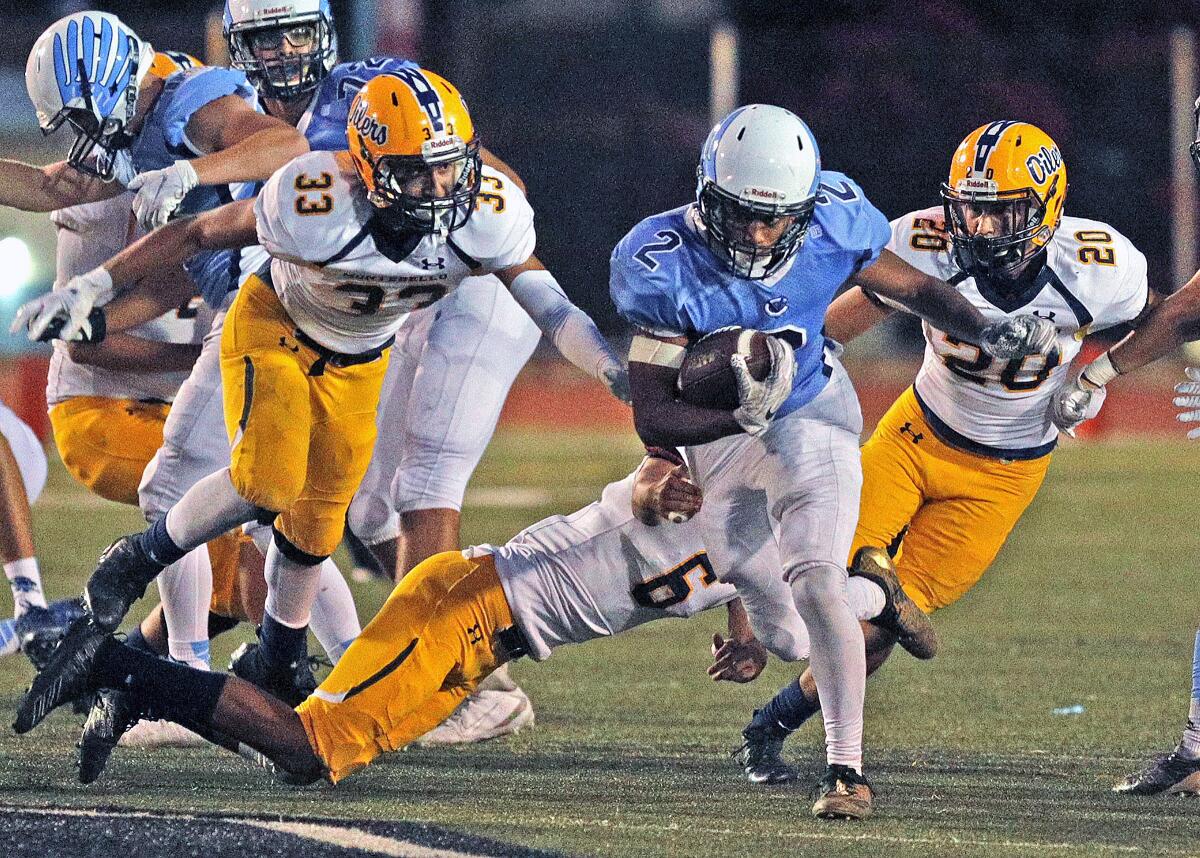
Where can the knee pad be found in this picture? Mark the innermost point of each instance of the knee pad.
(372, 519)
(817, 584)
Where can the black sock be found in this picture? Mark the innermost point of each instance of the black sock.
(136, 640)
(282, 645)
(218, 624)
(168, 689)
(787, 711)
(158, 545)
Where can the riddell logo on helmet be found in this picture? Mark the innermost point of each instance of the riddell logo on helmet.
(275, 10)
(765, 194)
(368, 126)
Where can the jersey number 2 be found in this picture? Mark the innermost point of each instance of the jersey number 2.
(668, 242)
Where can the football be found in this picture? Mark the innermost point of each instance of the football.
(706, 378)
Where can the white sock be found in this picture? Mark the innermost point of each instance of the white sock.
(838, 659)
(291, 588)
(186, 589)
(26, 582)
(866, 598)
(1190, 744)
(209, 508)
(334, 618)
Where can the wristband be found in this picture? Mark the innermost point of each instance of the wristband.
(1100, 371)
(667, 454)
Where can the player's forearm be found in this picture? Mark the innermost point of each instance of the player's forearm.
(165, 248)
(571, 330)
(129, 353)
(1169, 325)
(946, 309)
(851, 314)
(252, 159)
(739, 622)
(661, 420)
(44, 189)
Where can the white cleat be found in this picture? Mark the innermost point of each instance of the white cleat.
(160, 734)
(486, 714)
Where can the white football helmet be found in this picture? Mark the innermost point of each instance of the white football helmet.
(85, 70)
(285, 47)
(759, 163)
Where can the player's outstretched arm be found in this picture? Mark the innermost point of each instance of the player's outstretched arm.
(129, 353)
(945, 308)
(852, 314)
(66, 313)
(44, 189)
(1171, 323)
(571, 330)
(740, 658)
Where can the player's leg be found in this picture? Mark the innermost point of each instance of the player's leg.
(105, 444)
(1178, 771)
(22, 475)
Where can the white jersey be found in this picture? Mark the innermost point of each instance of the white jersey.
(1094, 278)
(348, 285)
(90, 235)
(600, 571)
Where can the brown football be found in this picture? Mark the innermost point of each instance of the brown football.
(706, 379)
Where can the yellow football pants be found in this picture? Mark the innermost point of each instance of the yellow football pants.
(422, 654)
(958, 507)
(301, 441)
(106, 443)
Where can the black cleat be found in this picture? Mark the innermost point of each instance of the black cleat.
(112, 713)
(901, 615)
(40, 629)
(119, 580)
(67, 676)
(1168, 773)
(291, 684)
(843, 793)
(760, 756)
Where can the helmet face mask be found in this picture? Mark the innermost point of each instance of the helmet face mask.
(992, 233)
(727, 221)
(1194, 149)
(405, 189)
(285, 49)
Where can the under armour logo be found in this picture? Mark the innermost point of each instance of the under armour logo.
(777, 306)
(1048, 315)
(430, 264)
(907, 429)
(283, 341)
(474, 634)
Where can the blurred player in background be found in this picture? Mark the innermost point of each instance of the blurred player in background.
(959, 456)
(767, 244)
(452, 363)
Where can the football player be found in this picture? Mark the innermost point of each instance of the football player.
(179, 142)
(567, 579)
(1171, 323)
(304, 350)
(769, 240)
(452, 363)
(959, 456)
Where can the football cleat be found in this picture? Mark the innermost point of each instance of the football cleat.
(761, 757)
(293, 684)
(901, 615)
(1169, 773)
(112, 714)
(40, 629)
(119, 580)
(843, 793)
(486, 714)
(66, 677)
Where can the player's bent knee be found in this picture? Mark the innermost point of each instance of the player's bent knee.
(295, 553)
(817, 585)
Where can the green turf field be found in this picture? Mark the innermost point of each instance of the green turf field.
(1093, 602)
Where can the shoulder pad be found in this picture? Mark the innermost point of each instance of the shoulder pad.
(847, 218)
(310, 208)
(644, 275)
(499, 233)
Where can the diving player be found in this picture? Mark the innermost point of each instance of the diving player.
(303, 355)
(179, 142)
(960, 455)
(768, 242)
(452, 363)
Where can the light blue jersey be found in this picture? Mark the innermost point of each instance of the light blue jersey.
(665, 280)
(163, 140)
(325, 122)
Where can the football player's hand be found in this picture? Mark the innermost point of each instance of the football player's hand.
(674, 497)
(759, 400)
(1188, 400)
(159, 193)
(617, 380)
(1074, 402)
(66, 313)
(736, 661)
(1019, 336)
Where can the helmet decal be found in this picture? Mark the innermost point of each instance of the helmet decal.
(427, 96)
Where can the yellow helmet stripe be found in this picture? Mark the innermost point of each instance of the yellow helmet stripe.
(987, 142)
(427, 96)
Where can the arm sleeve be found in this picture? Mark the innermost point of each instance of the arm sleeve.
(571, 330)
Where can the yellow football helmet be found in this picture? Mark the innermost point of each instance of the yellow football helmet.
(1004, 198)
(414, 147)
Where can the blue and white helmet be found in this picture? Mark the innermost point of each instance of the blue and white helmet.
(759, 163)
(85, 70)
(285, 47)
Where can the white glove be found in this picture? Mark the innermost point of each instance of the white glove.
(616, 377)
(159, 193)
(70, 306)
(1075, 402)
(1019, 336)
(761, 399)
(1189, 400)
